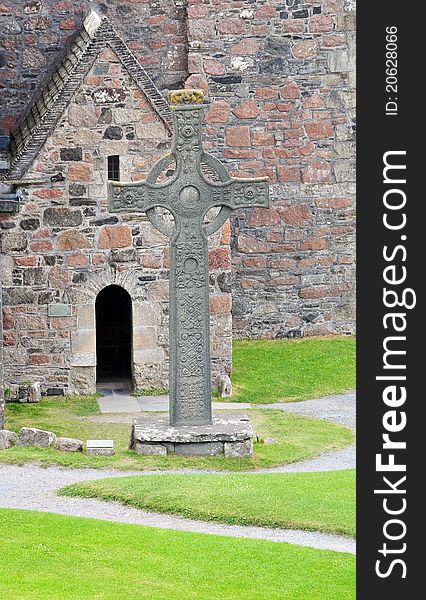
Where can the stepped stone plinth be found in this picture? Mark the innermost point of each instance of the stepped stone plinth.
(230, 434)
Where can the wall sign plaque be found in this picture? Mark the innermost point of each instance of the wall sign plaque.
(59, 310)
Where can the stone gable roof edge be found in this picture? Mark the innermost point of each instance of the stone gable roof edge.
(40, 119)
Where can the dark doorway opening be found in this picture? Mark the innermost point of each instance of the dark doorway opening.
(113, 334)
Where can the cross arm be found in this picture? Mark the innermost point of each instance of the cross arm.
(245, 193)
(237, 193)
(139, 197)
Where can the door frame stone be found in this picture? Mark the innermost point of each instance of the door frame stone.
(146, 316)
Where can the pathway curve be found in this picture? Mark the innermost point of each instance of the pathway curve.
(340, 409)
(32, 487)
(335, 460)
(35, 488)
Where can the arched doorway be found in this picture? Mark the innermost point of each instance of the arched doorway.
(113, 334)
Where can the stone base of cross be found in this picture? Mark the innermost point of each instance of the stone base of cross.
(188, 194)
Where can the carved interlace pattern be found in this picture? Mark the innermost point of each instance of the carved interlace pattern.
(246, 194)
(190, 265)
(188, 143)
(191, 305)
(192, 390)
(139, 198)
(191, 344)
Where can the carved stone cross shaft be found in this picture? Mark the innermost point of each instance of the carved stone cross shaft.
(188, 194)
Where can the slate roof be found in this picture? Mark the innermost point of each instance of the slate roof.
(31, 132)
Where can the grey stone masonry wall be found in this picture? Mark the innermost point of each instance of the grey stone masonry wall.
(34, 34)
(1, 365)
(64, 247)
(280, 76)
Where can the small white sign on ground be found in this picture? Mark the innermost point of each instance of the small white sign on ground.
(100, 447)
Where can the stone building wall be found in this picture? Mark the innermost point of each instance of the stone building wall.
(34, 34)
(1, 367)
(281, 82)
(64, 246)
(281, 75)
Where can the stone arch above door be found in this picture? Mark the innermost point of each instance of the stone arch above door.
(149, 361)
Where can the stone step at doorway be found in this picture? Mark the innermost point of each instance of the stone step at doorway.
(114, 387)
(116, 397)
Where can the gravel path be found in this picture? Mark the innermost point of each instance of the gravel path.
(339, 409)
(335, 460)
(34, 488)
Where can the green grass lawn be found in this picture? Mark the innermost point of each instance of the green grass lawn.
(267, 371)
(312, 501)
(296, 438)
(69, 558)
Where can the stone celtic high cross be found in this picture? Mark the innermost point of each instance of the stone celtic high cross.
(188, 194)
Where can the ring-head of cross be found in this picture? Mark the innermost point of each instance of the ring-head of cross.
(190, 192)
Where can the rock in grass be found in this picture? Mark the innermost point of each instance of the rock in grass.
(65, 444)
(7, 439)
(35, 392)
(224, 386)
(30, 436)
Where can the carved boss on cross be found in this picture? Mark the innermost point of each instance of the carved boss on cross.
(188, 194)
